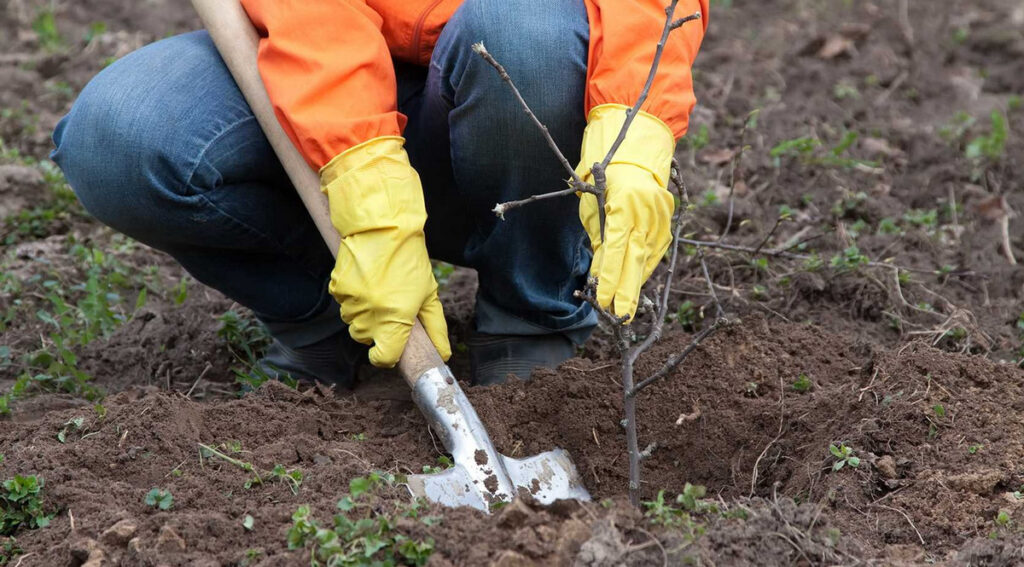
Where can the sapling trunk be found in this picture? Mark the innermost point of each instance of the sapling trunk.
(619, 325)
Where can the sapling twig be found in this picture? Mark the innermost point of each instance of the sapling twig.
(624, 336)
(481, 50)
(632, 112)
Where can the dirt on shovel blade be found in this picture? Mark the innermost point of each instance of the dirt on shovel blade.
(853, 413)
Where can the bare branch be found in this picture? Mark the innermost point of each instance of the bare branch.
(719, 312)
(674, 362)
(632, 112)
(767, 237)
(679, 23)
(657, 326)
(480, 50)
(501, 208)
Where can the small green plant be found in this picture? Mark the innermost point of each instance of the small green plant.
(442, 272)
(251, 557)
(709, 198)
(888, 226)
(973, 449)
(363, 533)
(697, 140)
(679, 514)
(247, 339)
(957, 127)
(845, 90)
(803, 384)
(21, 505)
(443, 462)
(990, 146)
(940, 410)
(844, 456)
(293, 477)
(73, 424)
(158, 498)
(687, 315)
(96, 29)
(812, 151)
(924, 218)
(1003, 519)
(45, 26)
(849, 205)
(849, 260)
(9, 549)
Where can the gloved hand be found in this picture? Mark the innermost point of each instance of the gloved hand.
(638, 205)
(382, 278)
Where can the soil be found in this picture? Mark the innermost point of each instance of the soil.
(921, 379)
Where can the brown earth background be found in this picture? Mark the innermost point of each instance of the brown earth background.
(917, 370)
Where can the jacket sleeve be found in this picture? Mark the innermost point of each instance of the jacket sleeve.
(624, 35)
(328, 72)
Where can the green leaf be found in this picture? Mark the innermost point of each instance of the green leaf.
(248, 522)
(358, 485)
(346, 504)
(140, 301)
(838, 465)
(854, 461)
(835, 451)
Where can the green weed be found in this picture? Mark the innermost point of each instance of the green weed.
(247, 339)
(21, 505)
(9, 549)
(363, 533)
(803, 384)
(990, 146)
(849, 260)
(844, 456)
(160, 499)
(45, 26)
(291, 477)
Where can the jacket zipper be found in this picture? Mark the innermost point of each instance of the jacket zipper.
(418, 30)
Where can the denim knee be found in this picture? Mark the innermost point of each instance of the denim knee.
(543, 45)
(132, 142)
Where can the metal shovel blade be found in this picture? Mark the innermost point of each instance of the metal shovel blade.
(546, 477)
(482, 477)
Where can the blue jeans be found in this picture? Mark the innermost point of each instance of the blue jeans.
(162, 146)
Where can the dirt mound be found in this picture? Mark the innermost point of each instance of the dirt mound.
(926, 482)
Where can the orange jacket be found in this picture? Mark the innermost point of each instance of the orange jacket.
(327, 64)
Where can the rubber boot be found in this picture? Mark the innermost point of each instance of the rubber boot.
(317, 350)
(493, 358)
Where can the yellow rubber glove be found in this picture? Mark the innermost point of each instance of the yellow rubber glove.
(382, 278)
(638, 205)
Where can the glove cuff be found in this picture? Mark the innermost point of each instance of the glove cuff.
(381, 148)
(373, 186)
(649, 144)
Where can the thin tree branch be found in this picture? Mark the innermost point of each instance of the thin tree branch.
(658, 325)
(480, 50)
(632, 112)
(719, 312)
(674, 362)
(501, 208)
(767, 237)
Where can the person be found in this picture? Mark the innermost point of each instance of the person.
(416, 139)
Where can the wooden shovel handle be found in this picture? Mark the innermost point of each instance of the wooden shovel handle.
(238, 43)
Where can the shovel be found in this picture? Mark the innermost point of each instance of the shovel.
(481, 477)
